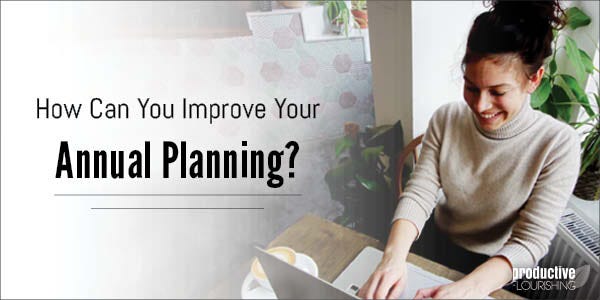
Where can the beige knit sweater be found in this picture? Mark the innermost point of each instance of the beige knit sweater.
(503, 191)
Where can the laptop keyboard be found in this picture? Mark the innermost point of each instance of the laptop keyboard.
(354, 289)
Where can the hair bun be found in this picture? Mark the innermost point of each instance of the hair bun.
(515, 27)
(530, 12)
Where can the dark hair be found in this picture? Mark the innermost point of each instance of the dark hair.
(520, 28)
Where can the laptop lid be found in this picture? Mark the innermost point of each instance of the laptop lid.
(289, 282)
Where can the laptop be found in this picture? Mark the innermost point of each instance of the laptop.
(290, 282)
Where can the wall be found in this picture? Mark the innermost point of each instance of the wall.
(416, 69)
(391, 51)
(587, 39)
(167, 19)
(439, 33)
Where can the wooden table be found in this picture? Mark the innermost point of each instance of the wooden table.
(333, 247)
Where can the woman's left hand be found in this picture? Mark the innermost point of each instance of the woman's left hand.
(486, 278)
(455, 290)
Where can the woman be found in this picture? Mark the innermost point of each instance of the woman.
(506, 171)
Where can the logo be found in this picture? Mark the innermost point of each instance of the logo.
(556, 278)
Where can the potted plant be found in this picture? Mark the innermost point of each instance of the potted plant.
(338, 14)
(292, 4)
(588, 183)
(560, 93)
(362, 181)
(359, 11)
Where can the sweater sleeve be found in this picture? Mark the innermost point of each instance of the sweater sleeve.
(538, 220)
(420, 195)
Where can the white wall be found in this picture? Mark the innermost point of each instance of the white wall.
(439, 33)
(163, 19)
(587, 39)
(416, 51)
(390, 38)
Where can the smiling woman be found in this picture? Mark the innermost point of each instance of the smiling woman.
(506, 170)
(495, 89)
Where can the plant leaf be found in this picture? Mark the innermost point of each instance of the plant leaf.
(578, 92)
(548, 108)
(343, 144)
(587, 62)
(577, 18)
(560, 95)
(590, 150)
(341, 173)
(368, 184)
(379, 130)
(540, 95)
(370, 154)
(575, 58)
(553, 67)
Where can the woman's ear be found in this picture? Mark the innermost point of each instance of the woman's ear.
(534, 80)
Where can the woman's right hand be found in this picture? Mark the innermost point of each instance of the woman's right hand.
(389, 278)
(387, 281)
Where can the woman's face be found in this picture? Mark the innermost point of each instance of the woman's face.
(496, 88)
